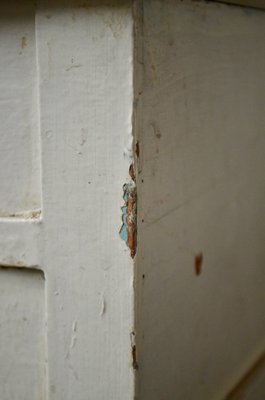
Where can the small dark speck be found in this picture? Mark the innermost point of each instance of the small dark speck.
(198, 263)
(89, 183)
(142, 220)
(142, 181)
(143, 276)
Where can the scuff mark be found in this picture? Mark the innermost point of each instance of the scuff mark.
(74, 326)
(152, 61)
(156, 130)
(103, 306)
(53, 389)
(73, 339)
(73, 66)
(128, 231)
(84, 135)
(116, 22)
(74, 372)
(23, 42)
(30, 214)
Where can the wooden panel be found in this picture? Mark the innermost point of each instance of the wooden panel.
(19, 131)
(22, 335)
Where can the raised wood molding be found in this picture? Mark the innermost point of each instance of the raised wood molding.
(249, 380)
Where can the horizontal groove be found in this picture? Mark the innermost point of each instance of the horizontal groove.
(31, 269)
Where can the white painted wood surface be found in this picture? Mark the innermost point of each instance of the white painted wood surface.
(201, 199)
(67, 111)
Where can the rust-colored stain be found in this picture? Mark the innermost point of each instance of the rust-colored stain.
(23, 42)
(131, 227)
(198, 263)
(134, 357)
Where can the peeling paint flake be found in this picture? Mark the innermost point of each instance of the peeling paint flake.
(128, 231)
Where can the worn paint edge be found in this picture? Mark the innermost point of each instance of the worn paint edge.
(138, 16)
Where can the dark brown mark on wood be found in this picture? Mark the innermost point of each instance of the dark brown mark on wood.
(198, 263)
(137, 149)
(134, 357)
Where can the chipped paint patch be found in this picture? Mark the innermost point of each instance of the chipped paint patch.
(128, 231)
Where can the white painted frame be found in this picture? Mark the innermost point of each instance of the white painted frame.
(85, 104)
